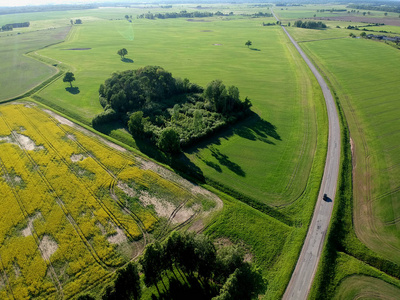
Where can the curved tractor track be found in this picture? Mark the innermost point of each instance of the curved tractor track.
(304, 272)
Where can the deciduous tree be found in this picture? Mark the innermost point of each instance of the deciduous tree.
(122, 52)
(69, 77)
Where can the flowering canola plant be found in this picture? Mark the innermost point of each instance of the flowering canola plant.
(62, 214)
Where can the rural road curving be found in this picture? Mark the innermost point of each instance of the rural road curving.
(303, 275)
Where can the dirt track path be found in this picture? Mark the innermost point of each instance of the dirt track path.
(303, 275)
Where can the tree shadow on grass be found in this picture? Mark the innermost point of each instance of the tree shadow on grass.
(127, 60)
(73, 90)
(225, 161)
(255, 49)
(253, 128)
(191, 288)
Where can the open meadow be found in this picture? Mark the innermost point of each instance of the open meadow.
(18, 72)
(363, 287)
(67, 190)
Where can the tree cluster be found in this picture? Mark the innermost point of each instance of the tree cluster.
(261, 14)
(169, 112)
(9, 27)
(309, 24)
(196, 255)
(125, 286)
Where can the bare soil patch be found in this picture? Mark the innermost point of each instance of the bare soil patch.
(166, 209)
(217, 44)
(126, 189)
(23, 141)
(117, 238)
(47, 247)
(206, 31)
(28, 230)
(77, 157)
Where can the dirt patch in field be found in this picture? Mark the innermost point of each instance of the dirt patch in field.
(28, 230)
(12, 179)
(77, 157)
(47, 247)
(130, 192)
(217, 44)
(117, 238)
(386, 21)
(206, 31)
(195, 189)
(197, 20)
(79, 49)
(17, 269)
(165, 209)
(23, 141)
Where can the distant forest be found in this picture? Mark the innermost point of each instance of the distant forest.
(391, 6)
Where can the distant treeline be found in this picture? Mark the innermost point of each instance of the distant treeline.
(331, 10)
(43, 8)
(181, 14)
(390, 7)
(309, 24)
(196, 14)
(9, 27)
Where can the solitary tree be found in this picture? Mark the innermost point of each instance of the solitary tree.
(248, 43)
(122, 52)
(385, 14)
(363, 34)
(69, 77)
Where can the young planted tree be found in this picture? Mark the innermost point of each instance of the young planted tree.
(122, 52)
(69, 77)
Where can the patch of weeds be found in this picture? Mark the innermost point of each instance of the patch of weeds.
(208, 204)
(81, 172)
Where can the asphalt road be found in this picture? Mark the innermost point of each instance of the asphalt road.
(306, 267)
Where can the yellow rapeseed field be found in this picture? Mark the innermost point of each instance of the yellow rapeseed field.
(67, 201)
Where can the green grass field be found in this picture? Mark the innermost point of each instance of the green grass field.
(19, 73)
(368, 94)
(363, 287)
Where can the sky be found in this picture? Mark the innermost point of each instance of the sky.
(40, 2)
